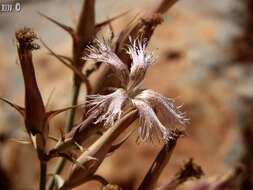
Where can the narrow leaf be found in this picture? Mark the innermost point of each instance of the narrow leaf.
(108, 21)
(49, 97)
(20, 109)
(53, 113)
(63, 26)
(22, 141)
(64, 57)
(72, 67)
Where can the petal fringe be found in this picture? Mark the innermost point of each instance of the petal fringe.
(151, 129)
(103, 52)
(141, 60)
(165, 107)
(107, 107)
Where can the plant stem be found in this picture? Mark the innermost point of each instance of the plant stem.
(159, 163)
(70, 122)
(72, 112)
(43, 174)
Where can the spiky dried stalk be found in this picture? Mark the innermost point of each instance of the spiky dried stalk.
(93, 157)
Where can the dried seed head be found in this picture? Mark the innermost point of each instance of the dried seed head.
(25, 37)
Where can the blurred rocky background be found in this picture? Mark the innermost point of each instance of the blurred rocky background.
(205, 62)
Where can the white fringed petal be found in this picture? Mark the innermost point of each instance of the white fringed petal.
(102, 52)
(141, 60)
(165, 107)
(151, 128)
(108, 107)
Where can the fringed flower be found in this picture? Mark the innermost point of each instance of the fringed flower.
(156, 112)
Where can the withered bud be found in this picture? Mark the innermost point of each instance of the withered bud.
(145, 27)
(26, 37)
(35, 113)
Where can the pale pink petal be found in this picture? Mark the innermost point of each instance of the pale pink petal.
(107, 107)
(151, 128)
(141, 60)
(166, 108)
(102, 51)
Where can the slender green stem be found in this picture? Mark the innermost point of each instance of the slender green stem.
(72, 112)
(43, 175)
(70, 122)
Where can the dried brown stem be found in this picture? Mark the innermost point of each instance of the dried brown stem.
(164, 6)
(159, 163)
